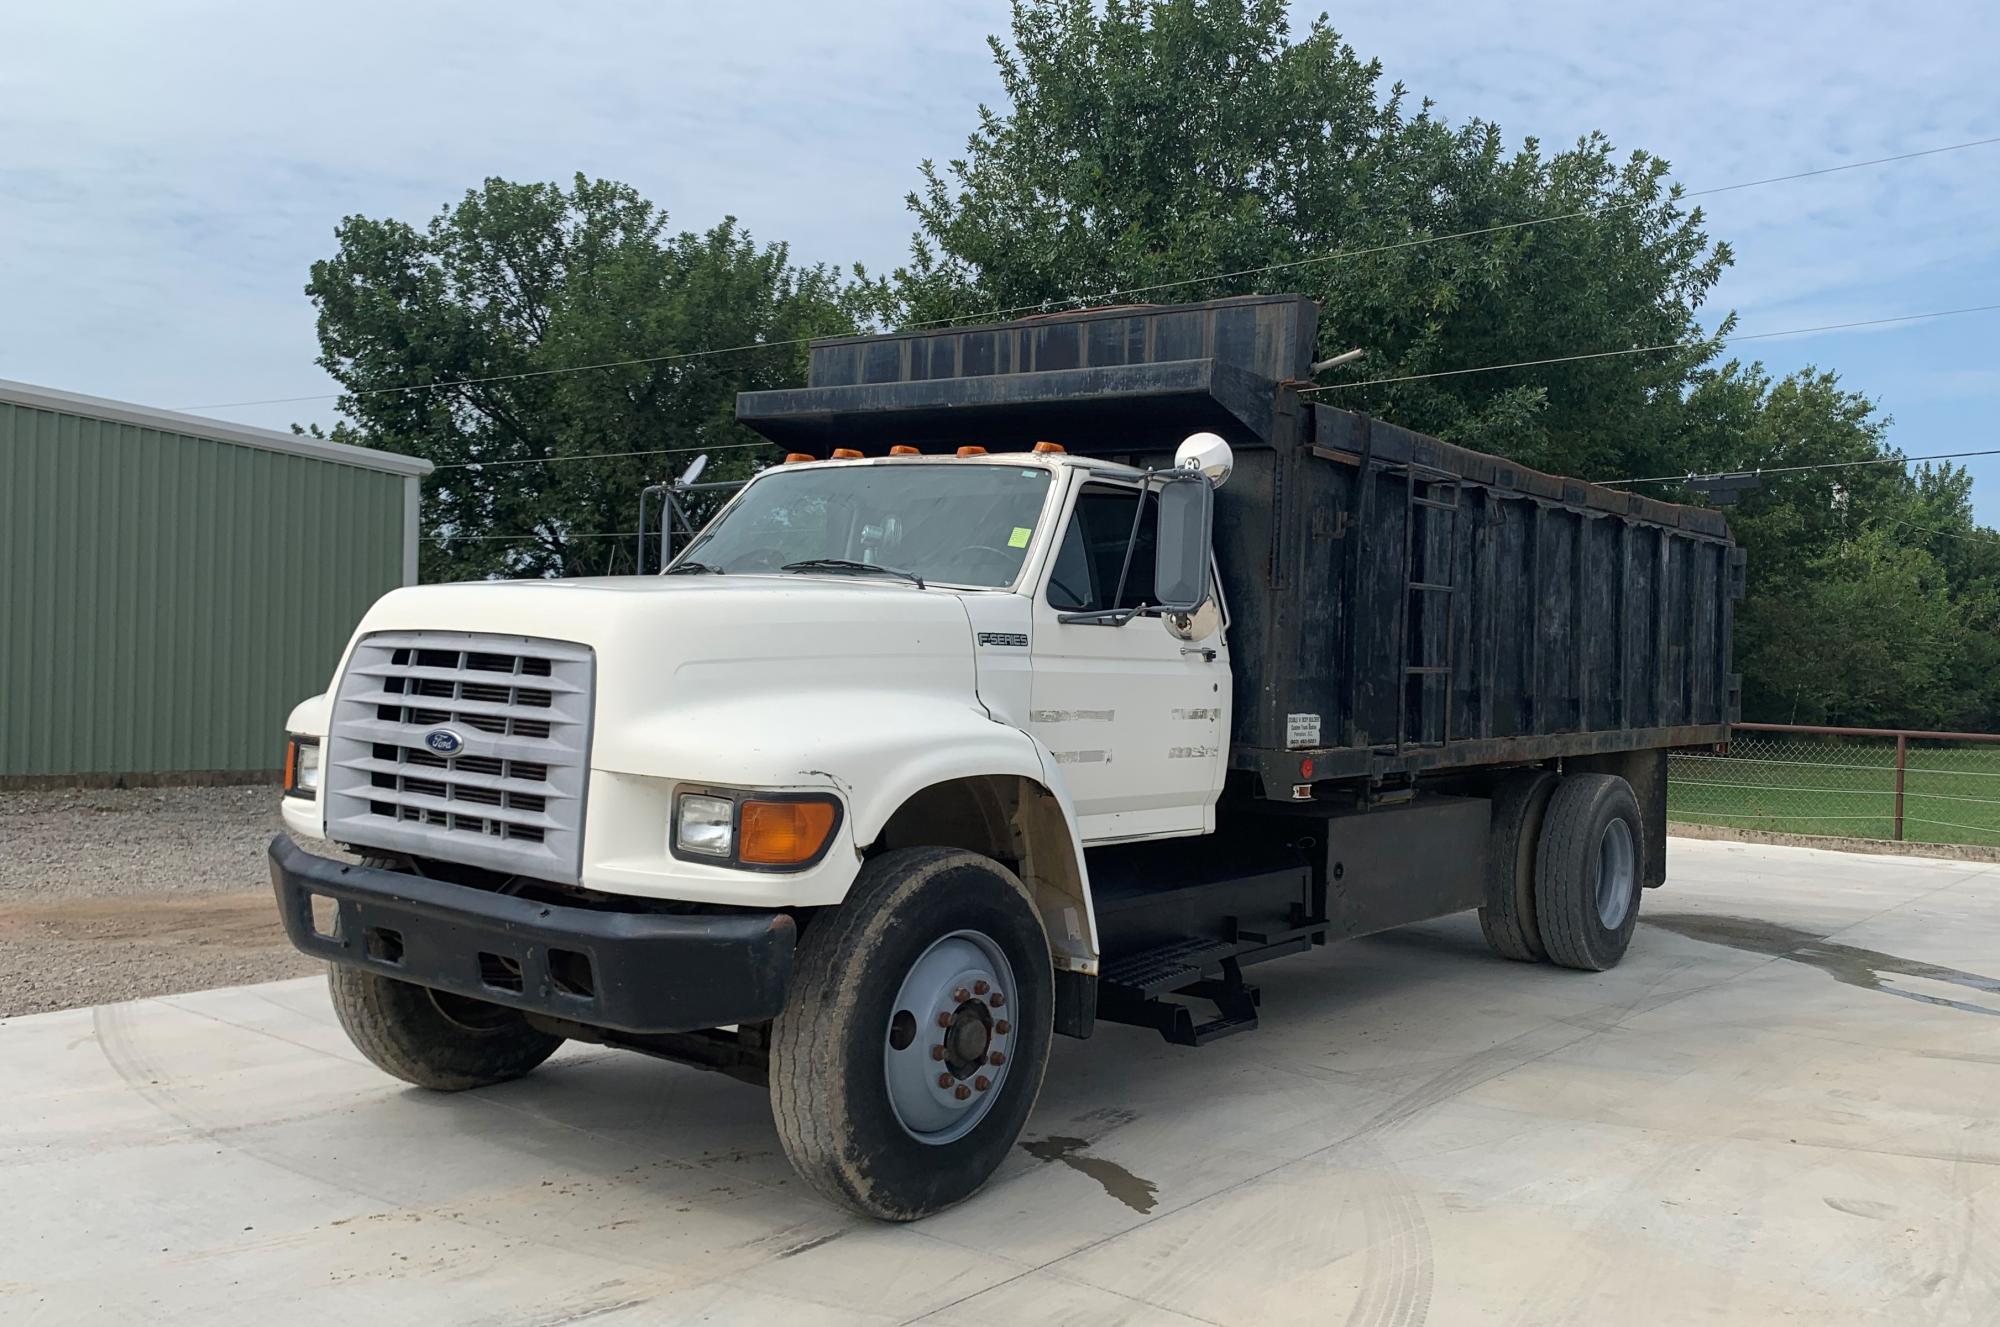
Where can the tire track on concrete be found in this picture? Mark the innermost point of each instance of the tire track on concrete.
(125, 1050)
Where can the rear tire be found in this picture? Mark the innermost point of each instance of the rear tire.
(873, 1027)
(1588, 866)
(1508, 917)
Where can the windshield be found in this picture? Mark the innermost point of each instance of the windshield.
(959, 524)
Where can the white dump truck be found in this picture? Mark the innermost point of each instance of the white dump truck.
(1064, 670)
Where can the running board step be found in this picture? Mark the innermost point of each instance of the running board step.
(1129, 991)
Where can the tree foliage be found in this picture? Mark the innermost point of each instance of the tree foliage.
(1152, 140)
(453, 342)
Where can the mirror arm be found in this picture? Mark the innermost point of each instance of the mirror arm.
(1104, 617)
(1132, 538)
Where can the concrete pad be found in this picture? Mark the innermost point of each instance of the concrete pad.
(1786, 1102)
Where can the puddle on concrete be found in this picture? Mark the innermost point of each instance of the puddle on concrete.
(1865, 968)
(1137, 1194)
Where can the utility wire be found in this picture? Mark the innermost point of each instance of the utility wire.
(601, 456)
(1798, 469)
(1081, 301)
(1645, 350)
(1975, 535)
(1370, 382)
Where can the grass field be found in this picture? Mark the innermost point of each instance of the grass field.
(1951, 794)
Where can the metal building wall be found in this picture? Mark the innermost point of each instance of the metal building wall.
(165, 599)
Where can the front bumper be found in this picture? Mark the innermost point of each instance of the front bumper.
(630, 971)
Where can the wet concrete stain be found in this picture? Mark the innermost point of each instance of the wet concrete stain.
(1137, 1194)
(1865, 968)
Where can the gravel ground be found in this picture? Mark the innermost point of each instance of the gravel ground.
(116, 894)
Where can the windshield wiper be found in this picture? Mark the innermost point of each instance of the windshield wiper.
(689, 567)
(847, 564)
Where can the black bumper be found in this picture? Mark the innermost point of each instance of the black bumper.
(632, 971)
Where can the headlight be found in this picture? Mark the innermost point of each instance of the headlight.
(706, 825)
(756, 831)
(301, 766)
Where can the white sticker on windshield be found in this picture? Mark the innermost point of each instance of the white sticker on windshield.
(1301, 730)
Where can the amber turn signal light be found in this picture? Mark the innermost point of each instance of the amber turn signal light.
(789, 833)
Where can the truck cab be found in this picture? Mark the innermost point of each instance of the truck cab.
(919, 754)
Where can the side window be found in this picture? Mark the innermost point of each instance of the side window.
(1084, 577)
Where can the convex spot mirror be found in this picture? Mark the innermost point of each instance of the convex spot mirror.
(1180, 567)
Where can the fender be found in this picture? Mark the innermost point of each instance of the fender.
(876, 749)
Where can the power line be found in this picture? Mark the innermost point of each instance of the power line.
(1972, 536)
(1800, 469)
(601, 456)
(1646, 350)
(1118, 292)
(1371, 382)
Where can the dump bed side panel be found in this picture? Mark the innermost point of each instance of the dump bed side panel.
(1441, 607)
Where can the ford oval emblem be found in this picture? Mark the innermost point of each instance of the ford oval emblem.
(444, 741)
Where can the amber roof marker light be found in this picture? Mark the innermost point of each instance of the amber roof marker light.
(972, 449)
(793, 458)
(904, 449)
(1050, 449)
(846, 454)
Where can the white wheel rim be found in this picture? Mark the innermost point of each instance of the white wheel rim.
(949, 1045)
(1617, 869)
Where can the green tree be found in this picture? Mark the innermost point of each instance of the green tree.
(1150, 141)
(455, 342)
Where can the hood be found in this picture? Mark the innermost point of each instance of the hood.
(662, 642)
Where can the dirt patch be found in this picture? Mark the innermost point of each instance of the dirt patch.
(1951, 852)
(116, 894)
(63, 954)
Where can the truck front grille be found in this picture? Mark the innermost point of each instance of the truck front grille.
(463, 747)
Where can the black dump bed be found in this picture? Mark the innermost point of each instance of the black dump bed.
(1396, 603)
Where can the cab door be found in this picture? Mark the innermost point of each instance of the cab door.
(1135, 714)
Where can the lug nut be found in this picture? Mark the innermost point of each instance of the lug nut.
(980, 988)
(944, 1080)
(937, 1052)
(961, 995)
(961, 1092)
(997, 1057)
(1002, 1026)
(944, 1018)
(997, 1000)
(982, 1082)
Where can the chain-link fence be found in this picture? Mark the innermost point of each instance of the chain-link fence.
(1864, 783)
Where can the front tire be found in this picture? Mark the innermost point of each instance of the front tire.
(1588, 866)
(915, 1035)
(434, 1039)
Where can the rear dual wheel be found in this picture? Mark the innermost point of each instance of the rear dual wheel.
(1565, 864)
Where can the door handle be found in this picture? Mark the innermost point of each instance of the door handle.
(1207, 654)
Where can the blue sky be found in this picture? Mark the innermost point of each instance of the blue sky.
(171, 171)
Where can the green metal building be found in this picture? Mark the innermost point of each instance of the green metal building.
(170, 586)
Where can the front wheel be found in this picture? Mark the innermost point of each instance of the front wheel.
(915, 1035)
(434, 1039)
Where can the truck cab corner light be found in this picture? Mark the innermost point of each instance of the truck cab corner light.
(788, 833)
(972, 451)
(846, 454)
(1050, 449)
